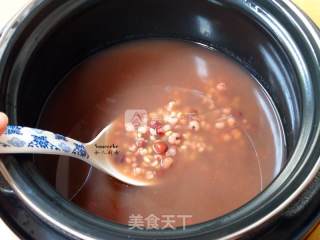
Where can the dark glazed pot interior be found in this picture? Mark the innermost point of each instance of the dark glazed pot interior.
(58, 35)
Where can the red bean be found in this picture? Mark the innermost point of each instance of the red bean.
(160, 147)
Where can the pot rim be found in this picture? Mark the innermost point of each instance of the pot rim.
(308, 32)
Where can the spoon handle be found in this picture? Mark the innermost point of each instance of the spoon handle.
(17, 139)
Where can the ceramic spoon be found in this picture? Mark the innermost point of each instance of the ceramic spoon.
(18, 139)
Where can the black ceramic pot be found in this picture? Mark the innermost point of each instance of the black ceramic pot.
(272, 39)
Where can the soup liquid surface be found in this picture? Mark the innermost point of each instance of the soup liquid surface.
(225, 162)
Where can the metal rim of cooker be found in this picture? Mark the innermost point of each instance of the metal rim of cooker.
(306, 32)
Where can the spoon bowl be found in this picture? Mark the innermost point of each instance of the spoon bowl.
(22, 140)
